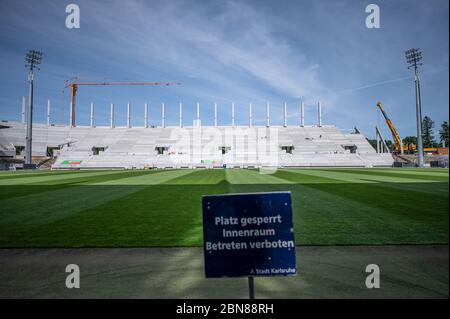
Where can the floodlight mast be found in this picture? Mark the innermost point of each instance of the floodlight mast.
(413, 58)
(33, 59)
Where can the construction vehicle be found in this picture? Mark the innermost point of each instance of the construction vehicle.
(74, 87)
(399, 147)
(436, 150)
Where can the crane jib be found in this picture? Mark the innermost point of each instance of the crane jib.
(74, 87)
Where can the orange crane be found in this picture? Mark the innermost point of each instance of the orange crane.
(74, 87)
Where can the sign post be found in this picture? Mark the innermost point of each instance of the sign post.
(251, 288)
(248, 235)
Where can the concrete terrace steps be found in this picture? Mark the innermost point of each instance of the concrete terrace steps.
(255, 146)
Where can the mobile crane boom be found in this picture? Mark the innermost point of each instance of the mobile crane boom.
(398, 145)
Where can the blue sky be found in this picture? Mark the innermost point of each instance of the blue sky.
(230, 51)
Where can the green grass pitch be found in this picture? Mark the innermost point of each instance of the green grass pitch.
(162, 208)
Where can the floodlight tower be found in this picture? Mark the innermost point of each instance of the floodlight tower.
(413, 57)
(33, 59)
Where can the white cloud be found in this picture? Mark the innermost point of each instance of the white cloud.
(235, 50)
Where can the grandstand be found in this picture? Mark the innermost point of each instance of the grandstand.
(196, 146)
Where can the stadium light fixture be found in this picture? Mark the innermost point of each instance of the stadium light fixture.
(413, 58)
(33, 58)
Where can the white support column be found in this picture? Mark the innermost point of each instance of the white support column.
(378, 139)
(145, 115)
(128, 115)
(302, 114)
(23, 109)
(92, 115)
(319, 111)
(48, 112)
(111, 117)
(181, 115)
(285, 115)
(215, 114)
(267, 114)
(250, 115)
(197, 118)
(163, 115)
(71, 115)
(232, 114)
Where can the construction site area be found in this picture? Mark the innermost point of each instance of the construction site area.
(160, 146)
(224, 150)
(90, 146)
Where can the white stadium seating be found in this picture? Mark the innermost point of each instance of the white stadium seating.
(197, 147)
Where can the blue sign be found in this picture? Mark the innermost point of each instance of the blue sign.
(248, 235)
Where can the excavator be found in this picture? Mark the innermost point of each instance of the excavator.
(399, 147)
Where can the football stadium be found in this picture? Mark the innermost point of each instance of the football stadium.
(229, 200)
(133, 204)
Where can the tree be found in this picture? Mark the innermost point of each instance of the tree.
(390, 145)
(443, 132)
(427, 132)
(374, 144)
(410, 140)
